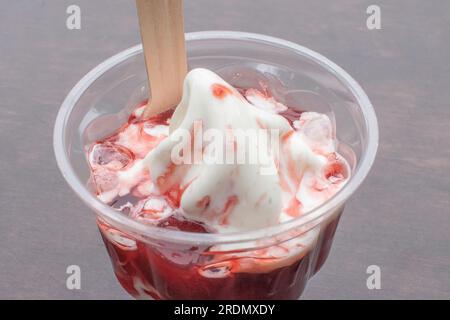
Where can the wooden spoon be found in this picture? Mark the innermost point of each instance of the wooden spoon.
(162, 32)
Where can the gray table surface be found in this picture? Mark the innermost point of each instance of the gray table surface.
(399, 219)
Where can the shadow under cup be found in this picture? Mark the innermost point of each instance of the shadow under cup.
(169, 264)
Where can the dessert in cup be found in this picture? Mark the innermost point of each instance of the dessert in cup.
(235, 193)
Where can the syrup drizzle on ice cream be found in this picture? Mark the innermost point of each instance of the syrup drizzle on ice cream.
(133, 171)
(136, 162)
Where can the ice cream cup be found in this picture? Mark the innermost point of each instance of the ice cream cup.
(270, 263)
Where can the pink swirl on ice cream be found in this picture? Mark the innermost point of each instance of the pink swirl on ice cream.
(240, 196)
(173, 171)
(139, 160)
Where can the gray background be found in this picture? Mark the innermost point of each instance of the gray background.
(399, 219)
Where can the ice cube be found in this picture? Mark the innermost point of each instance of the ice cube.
(152, 209)
(264, 102)
(110, 156)
(105, 180)
(317, 129)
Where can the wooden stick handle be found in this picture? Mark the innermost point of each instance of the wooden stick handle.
(162, 32)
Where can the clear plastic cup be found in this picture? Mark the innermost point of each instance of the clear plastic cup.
(269, 263)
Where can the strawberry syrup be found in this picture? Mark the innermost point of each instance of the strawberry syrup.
(169, 271)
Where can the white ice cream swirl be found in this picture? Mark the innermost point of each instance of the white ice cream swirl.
(306, 170)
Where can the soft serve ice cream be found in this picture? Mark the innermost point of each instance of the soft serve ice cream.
(297, 167)
(224, 194)
(225, 160)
